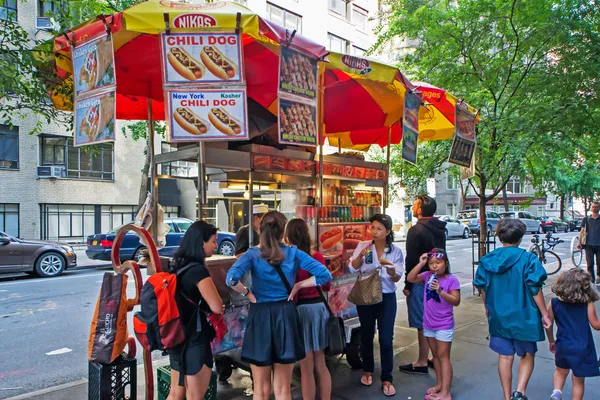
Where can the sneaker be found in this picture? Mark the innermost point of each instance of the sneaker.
(518, 396)
(411, 369)
(556, 395)
(598, 281)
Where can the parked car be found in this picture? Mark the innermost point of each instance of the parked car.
(99, 246)
(533, 224)
(471, 219)
(454, 228)
(574, 223)
(36, 257)
(553, 224)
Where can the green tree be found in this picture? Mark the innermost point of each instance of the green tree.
(512, 60)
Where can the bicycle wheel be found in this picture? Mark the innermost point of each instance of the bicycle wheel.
(576, 254)
(551, 262)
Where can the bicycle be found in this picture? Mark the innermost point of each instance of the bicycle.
(549, 259)
(576, 254)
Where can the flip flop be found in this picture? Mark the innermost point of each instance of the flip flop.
(431, 391)
(366, 380)
(388, 390)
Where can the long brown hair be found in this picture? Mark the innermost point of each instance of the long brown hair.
(575, 286)
(297, 233)
(272, 226)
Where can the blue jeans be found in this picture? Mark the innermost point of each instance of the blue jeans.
(384, 314)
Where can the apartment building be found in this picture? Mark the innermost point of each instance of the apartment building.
(50, 189)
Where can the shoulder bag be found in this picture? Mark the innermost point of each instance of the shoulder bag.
(335, 331)
(367, 290)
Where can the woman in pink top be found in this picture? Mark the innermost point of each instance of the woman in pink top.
(442, 294)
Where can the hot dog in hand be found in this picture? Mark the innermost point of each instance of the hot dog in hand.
(190, 122)
(216, 62)
(185, 65)
(224, 122)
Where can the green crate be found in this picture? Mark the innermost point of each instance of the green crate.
(163, 375)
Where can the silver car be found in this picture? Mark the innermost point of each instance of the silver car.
(454, 228)
(39, 257)
(533, 225)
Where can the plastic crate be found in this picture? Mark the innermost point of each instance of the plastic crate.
(163, 375)
(114, 381)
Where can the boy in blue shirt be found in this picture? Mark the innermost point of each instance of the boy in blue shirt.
(510, 280)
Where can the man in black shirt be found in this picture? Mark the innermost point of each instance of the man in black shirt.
(428, 233)
(591, 224)
(242, 237)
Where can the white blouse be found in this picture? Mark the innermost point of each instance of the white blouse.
(395, 256)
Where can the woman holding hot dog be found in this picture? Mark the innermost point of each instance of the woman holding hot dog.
(313, 319)
(273, 340)
(369, 255)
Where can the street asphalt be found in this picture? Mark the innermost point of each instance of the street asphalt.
(44, 324)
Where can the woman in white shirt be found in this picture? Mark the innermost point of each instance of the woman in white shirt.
(369, 255)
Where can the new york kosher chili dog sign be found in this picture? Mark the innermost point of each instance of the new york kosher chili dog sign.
(207, 57)
(197, 115)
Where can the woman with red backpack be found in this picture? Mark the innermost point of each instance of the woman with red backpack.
(196, 295)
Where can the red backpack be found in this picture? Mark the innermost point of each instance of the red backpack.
(158, 326)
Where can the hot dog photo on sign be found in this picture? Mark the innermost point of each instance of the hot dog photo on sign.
(207, 114)
(330, 240)
(297, 122)
(201, 58)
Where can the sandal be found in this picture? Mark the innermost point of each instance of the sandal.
(366, 380)
(432, 390)
(388, 390)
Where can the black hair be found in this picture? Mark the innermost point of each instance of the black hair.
(442, 251)
(428, 205)
(510, 230)
(387, 222)
(191, 248)
(297, 233)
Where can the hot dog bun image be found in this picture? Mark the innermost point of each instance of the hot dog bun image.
(216, 62)
(330, 238)
(224, 122)
(190, 122)
(185, 65)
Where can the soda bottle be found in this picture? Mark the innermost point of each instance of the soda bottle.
(431, 279)
(369, 256)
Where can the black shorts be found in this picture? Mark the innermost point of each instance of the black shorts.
(273, 335)
(197, 354)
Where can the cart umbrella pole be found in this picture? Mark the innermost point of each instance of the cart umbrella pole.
(148, 372)
(201, 179)
(386, 195)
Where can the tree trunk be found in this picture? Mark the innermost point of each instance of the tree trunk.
(144, 182)
(505, 198)
(482, 219)
(562, 206)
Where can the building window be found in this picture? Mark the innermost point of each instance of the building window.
(9, 147)
(451, 182)
(336, 44)
(513, 186)
(47, 8)
(93, 162)
(182, 169)
(8, 10)
(9, 219)
(339, 7)
(358, 52)
(112, 217)
(360, 17)
(53, 150)
(285, 18)
(451, 210)
(67, 222)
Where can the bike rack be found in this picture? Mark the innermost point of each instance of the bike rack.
(576, 254)
(490, 244)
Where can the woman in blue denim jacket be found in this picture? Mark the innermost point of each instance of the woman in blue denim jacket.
(273, 338)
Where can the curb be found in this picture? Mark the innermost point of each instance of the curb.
(49, 390)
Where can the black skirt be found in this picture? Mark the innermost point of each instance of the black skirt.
(273, 335)
(197, 354)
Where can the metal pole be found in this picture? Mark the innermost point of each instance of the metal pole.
(250, 211)
(321, 134)
(201, 180)
(153, 173)
(386, 195)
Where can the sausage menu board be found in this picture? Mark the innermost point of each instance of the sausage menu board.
(93, 65)
(197, 115)
(95, 118)
(464, 141)
(410, 127)
(208, 57)
(298, 92)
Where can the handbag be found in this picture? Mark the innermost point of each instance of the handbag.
(367, 291)
(583, 233)
(335, 331)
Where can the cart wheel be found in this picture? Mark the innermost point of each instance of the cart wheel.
(224, 368)
(353, 350)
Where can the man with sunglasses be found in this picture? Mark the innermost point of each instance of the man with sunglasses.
(428, 233)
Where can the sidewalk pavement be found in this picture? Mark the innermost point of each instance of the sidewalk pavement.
(475, 367)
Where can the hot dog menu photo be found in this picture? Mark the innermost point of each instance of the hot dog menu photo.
(93, 65)
(297, 122)
(298, 73)
(95, 119)
(202, 58)
(207, 114)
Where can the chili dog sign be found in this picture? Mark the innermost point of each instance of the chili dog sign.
(199, 115)
(201, 58)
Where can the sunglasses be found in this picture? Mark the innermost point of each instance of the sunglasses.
(435, 255)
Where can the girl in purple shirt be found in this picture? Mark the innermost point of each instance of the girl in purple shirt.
(442, 294)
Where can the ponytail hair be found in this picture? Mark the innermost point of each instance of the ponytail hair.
(272, 227)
